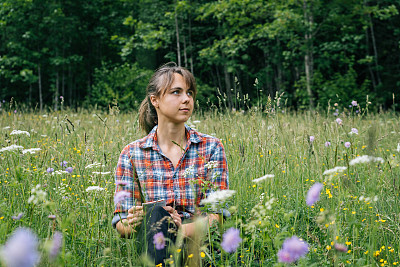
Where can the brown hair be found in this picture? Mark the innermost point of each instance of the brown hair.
(161, 80)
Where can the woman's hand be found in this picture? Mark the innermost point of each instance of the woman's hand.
(135, 216)
(175, 215)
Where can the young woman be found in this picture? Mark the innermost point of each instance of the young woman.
(171, 163)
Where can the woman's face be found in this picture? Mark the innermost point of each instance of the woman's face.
(176, 104)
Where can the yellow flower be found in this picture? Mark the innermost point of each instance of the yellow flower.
(366, 252)
(178, 250)
(328, 247)
(190, 256)
(277, 226)
(321, 209)
(202, 254)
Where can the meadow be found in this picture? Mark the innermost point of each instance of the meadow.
(356, 221)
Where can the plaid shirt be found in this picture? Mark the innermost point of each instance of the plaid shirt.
(203, 160)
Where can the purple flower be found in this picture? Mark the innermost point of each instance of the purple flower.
(121, 196)
(327, 143)
(69, 169)
(354, 103)
(64, 164)
(159, 241)
(56, 245)
(313, 193)
(347, 144)
(292, 249)
(341, 247)
(354, 130)
(339, 121)
(231, 240)
(20, 250)
(335, 114)
(51, 217)
(121, 183)
(15, 111)
(61, 97)
(357, 111)
(50, 170)
(312, 138)
(18, 217)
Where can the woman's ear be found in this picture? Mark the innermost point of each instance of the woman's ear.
(154, 101)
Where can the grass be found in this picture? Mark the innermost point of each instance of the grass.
(256, 143)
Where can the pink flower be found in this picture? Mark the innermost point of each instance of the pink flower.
(159, 241)
(231, 240)
(327, 143)
(341, 247)
(354, 103)
(347, 144)
(292, 249)
(121, 196)
(313, 194)
(339, 121)
(312, 138)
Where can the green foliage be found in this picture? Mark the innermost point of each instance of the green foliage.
(124, 83)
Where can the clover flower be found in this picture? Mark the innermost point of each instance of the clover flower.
(262, 178)
(121, 196)
(20, 250)
(292, 249)
(314, 193)
(365, 159)
(347, 144)
(159, 241)
(56, 245)
(231, 240)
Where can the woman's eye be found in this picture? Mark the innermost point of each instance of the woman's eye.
(175, 92)
(190, 93)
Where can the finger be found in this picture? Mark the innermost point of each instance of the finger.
(135, 208)
(169, 209)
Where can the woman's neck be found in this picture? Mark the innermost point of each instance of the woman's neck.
(169, 133)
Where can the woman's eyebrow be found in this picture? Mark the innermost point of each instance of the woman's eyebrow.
(176, 88)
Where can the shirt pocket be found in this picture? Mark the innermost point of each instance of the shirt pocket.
(153, 188)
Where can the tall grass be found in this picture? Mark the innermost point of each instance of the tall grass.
(256, 143)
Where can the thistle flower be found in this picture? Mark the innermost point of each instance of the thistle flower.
(56, 245)
(354, 103)
(314, 193)
(312, 138)
(159, 241)
(20, 250)
(50, 170)
(339, 121)
(231, 240)
(262, 178)
(347, 144)
(327, 143)
(292, 249)
(121, 196)
(69, 169)
(354, 131)
(18, 217)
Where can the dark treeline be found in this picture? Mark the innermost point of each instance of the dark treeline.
(91, 52)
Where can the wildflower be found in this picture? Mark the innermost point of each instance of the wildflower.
(101, 173)
(121, 196)
(64, 163)
(21, 249)
(188, 172)
(339, 121)
(263, 178)
(354, 131)
(335, 114)
(50, 170)
(94, 165)
(313, 194)
(69, 169)
(38, 195)
(121, 183)
(18, 132)
(11, 148)
(327, 143)
(312, 138)
(231, 240)
(218, 196)
(56, 245)
(341, 247)
(94, 188)
(347, 144)
(196, 122)
(211, 164)
(398, 147)
(292, 249)
(18, 217)
(365, 159)
(159, 241)
(52, 217)
(202, 254)
(31, 150)
(354, 103)
(334, 170)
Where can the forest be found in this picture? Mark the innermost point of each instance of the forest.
(96, 53)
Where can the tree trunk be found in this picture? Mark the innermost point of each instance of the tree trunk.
(40, 88)
(308, 57)
(56, 92)
(228, 85)
(371, 24)
(190, 45)
(177, 40)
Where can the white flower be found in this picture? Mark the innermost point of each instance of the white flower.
(334, 170)
(43, 135)
(44, 116)
(7, 127)
(365, 159)
(263, 178)
(59, 172)
(218, 196)
(211, 164)
(38, 195)
(375, 198)
(94, 165)
(31, 150)
(188, 172)
(94, 188)
(11, 148)
(196, 122)
(398, 147)
(18, 132)
(101, 173)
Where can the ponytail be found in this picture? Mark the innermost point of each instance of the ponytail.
(161, 80)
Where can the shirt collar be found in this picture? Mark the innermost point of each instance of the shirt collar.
(151, 139)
